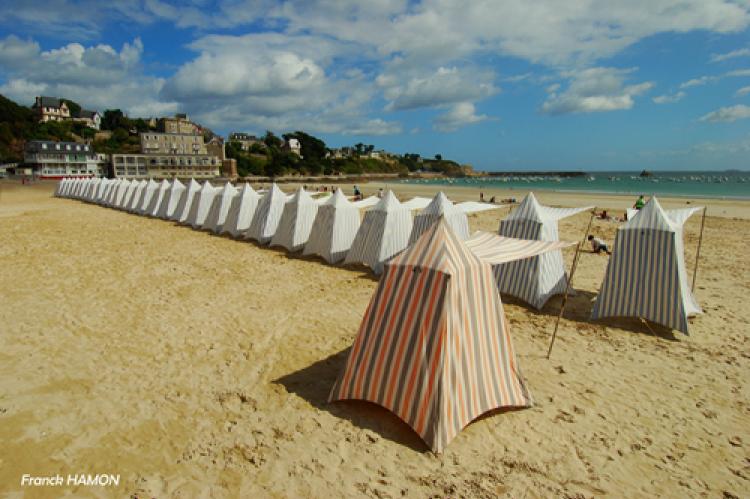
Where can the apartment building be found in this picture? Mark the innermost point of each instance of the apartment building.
(60, 159)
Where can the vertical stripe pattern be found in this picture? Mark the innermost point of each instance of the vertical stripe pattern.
(434, 346)
(296, 222)
(217, 213)
(241, 211)
(334, 229)
(440, 207)
(267, 216)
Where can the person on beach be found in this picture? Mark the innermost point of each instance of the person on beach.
(481, 197)
(597, 245)
(639, 203)
(380, 193)
(357, 193)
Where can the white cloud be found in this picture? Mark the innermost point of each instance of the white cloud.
(738, 73)
(441, 87)
(727, 114)
(742, 92)
(459, 115)
(697, 82)
(730, 55)
(594, 90)
(669, 98)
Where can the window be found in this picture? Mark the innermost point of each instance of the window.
(44, 146)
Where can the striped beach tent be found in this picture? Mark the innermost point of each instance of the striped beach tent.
(434, 346)
(646, 276)
(104, 187)
(217, 214)
(77, 185)
(440, 206)
(296, 221)
(241, 211)
(155, 201)
(534, 280)
(59, 189)
(186, 200)
(135, 196)
(267, 215)
(170, 200)
(125, 193)
(109, 193)
(201, 204)
(334, 229)
(148, 193)
(384, 232)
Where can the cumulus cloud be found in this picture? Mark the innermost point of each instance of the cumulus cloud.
(594, 90)
(441, 87)
(742, 92)
(730, 55)
(459, 115)
(669, 98)
(96, 76)
(727, 114)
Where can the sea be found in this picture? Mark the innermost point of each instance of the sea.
(692, 184)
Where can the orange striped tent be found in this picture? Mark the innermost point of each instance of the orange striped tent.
(434, 346)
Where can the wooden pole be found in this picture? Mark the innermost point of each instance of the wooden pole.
(573, 267)
(698, 251)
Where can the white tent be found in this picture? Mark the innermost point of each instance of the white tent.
(384, 232)
(186, 200)
(104, 187)
(440, 206)
(136, 197)
(646, 275)
(91, 185)
(366, 202)
(155, 202)
(296, 221)
(170, 200)
(241, 211)
(334, 229)
(60, 185)
(130, 188)
(217, 213)
(77, 187)
(201, 204)
(267, 215)
(534, 280)
(146, 195)
(109, 196)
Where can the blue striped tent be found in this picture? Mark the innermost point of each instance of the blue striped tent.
(646, 275)
(534, 280)
(334, 229)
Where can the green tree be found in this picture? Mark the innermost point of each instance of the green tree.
(439, 157)
(114, 119)
(271, 140)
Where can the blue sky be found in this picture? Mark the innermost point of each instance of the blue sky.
(505, 84)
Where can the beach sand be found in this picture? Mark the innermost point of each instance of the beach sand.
(199, 366)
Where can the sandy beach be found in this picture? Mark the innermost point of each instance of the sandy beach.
(194, 365)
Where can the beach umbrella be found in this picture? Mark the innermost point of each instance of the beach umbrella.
(334, 229)
(220, 205)
(267, 216)
(296, 221)
(384, 232)
(534, 280)
(241, 211)
(646, 275)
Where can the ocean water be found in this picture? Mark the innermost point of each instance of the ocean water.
(723, 185)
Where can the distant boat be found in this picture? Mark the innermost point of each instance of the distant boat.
(646, 173)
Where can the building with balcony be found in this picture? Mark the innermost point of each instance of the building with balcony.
(172, 143)
(165, 166)
(50, 109)
(60, 159)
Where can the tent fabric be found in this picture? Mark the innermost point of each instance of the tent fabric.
(111, 194)
(434, 346)
(334, 229)
(130, 189)
(296, 222)
(475, 207)
(366, 202)
(59, 188)
(155, 202)
(384, 232)
(104, 187)
(217, 213)
(182, 210)
(497, 250)
(440, 206)
(241, 211)
(534, 280)
(136, 196)
(267, 215)
(646, 275)
(417, 203)
(170, 200)
(200, 205)
(146, 195)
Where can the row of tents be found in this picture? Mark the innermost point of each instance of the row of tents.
(646, 276)
(434, 346)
